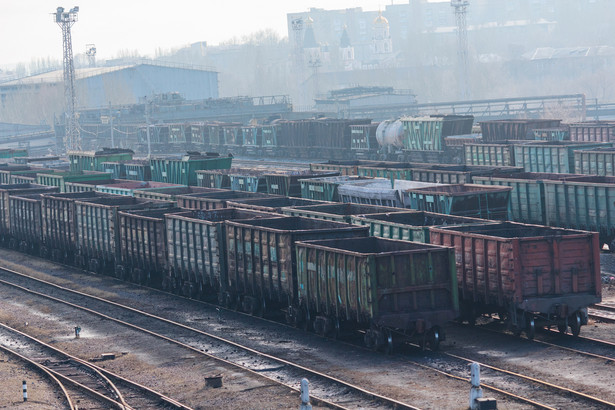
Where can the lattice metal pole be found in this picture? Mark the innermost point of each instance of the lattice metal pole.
(72, 138)
(461, 8)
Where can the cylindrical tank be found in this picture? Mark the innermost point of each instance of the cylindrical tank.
(390, 132)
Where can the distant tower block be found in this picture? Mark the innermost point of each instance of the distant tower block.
(72, 139)
(90, 51)
(461, 9)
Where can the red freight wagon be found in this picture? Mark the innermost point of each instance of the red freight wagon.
(530, 274)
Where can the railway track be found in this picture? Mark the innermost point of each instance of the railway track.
(603, 313)
(90, 385)
(325, 390)
(523, 389)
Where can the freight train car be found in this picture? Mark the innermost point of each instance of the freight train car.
(261, 257)
(530, 275)
(393, 289)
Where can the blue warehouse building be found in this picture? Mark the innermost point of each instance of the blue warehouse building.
(33, 99)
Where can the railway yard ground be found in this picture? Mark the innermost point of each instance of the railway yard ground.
(418, 378)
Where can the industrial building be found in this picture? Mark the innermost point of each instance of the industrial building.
(31, 99)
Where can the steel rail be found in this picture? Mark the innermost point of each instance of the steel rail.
(369, 394)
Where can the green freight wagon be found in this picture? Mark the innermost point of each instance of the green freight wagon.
(274, 205)
(551, 156)
(59, 224)
(477, 201)
(26, 222)
(428, 133)
(392, 289)
(138, 170)
(286, 183)
(60, 179)
(127, 188)
(249, 180)
(336, 212)
(456, 174)
(595, 161)
(183, 171)
(363, 137)
(7, 171)
(92, 160)
(343, 167)
(98, 229)
(216, 200)
(6, 190)
(409, 225)
(586, 203)
(196, 245)
(325, 189)
(402, 171)
(13, 153)
(170, 193)
(552, 134)
(495, 155)
(214, 178)
(117, 170)
(269, 244)
(143, 246)
(527, 197)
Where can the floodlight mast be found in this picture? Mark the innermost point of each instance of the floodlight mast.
(72, 138)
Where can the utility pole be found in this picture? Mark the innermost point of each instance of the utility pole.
(72, 139)
(461, 8)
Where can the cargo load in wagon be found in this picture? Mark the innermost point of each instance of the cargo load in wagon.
(380, 191)
(395, 290)
(261, 257)
(530, 275)
(325, 189)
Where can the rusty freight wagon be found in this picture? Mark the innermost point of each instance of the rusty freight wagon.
(494, 154)
(59, 231)
(409, 225)
(261, 257)
(98, 229)
(530, 275)
(394, 289)
(143, 246)
(196, 247)
(26, 222)
(16, 189)
(594, 131)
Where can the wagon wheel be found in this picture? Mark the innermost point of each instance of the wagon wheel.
(434, 338)
(530, 330)
(388, 344)
(562, 327)
(575, 324)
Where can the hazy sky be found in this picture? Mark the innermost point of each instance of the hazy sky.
(29, 32)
